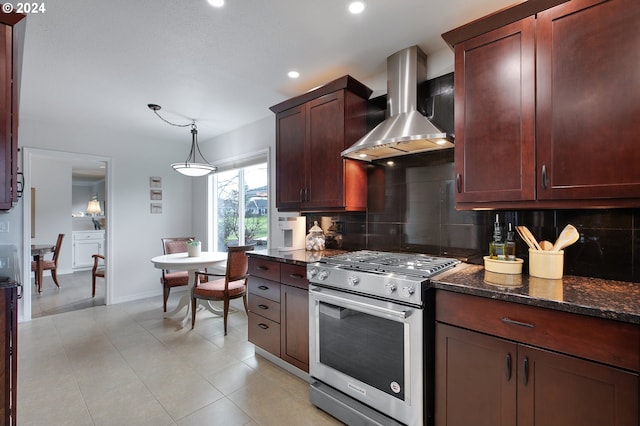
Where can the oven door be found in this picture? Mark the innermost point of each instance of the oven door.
(369, 349)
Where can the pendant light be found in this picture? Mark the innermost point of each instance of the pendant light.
(190, 167)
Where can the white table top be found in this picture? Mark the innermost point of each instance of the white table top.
(183, 261)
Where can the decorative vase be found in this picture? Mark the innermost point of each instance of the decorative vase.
(193, 248)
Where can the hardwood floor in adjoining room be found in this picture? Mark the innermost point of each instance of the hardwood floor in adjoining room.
(127, 364)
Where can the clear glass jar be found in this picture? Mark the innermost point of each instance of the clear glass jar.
(315, 238)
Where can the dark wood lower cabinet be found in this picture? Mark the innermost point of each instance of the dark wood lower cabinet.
(279, 310)
(488, 373)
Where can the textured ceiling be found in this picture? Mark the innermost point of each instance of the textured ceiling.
(101, 63)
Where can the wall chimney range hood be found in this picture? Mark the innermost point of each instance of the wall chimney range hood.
(405, 130)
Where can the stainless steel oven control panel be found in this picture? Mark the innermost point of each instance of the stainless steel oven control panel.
(398, 287)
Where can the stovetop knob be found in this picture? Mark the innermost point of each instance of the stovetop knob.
(312, 273)
(389, 288)
(353, 280)
(407, 291)
(323, 274)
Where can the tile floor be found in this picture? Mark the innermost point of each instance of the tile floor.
(126, 364)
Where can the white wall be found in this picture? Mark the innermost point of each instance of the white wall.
(250, 139)
(132, 232)
(51, 178)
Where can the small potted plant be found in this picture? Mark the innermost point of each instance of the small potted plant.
(193, 248)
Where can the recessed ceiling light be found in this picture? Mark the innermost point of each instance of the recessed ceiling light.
(356, 7)
(216, 3)
(293, 74)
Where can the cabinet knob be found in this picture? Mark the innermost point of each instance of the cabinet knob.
(459, 183)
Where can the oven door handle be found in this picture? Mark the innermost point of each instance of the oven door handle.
(322, 294)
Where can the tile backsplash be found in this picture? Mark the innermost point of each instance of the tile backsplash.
(411, 208)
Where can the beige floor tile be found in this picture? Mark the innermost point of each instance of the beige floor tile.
(221, 412)
(127, 364)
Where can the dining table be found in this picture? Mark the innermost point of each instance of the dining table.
(37, 252)
(191, 264)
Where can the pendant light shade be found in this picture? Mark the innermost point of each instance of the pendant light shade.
(191, 166)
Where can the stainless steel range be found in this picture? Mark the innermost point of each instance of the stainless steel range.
(367, 327)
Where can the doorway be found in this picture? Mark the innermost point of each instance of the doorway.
(59, 187)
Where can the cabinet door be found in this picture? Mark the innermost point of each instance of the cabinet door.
(560, 390)
(82, 251)
(588, 94)
(294, 326)
(325, 142)
(475, 379)
(290, 167)
(6, 166)
(495, 115)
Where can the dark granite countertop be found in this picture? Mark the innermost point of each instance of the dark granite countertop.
(296, 257)
(617, 300)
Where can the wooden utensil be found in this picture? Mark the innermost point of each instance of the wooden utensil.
(568, 236)
(546, 245)
(528, 237)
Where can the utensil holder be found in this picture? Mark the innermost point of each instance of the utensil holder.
(546, 264)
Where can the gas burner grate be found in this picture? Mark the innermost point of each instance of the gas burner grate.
(403, 263)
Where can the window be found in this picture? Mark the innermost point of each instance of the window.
(240, 207)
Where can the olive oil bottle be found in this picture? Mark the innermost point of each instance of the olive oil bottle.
(510, 244)
(497, 246)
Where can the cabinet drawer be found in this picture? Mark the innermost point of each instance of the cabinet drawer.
(294, 275)
(264, 307)
(264, 288)
(264, 333)
(79, 236)
(266, 269)
(612, 342)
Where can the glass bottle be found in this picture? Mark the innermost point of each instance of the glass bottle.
(496, 247)
(510, 244)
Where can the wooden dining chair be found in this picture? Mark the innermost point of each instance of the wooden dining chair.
(232, 285)
(170, 279)
(50, 265)
(96, 271)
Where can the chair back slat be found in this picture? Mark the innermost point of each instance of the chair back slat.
(175, 245)
(237, 262)
(56, 250)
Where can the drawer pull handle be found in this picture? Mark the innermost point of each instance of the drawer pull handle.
(263, 326)
(525, 371)
(263, 287)
(544, 176)
(459, 183)
(265, 307)
(296, 276)
(508, 320)
(262, 268)
(508, 366)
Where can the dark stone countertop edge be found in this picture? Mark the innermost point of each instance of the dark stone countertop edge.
(294, 257)
(8, 284)
(614, 300)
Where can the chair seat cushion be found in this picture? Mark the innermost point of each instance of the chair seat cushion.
(215, 289)
(178, 278)
(175, 279)
(47, 264)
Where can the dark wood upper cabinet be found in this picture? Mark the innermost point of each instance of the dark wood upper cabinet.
(311, 132)
(588, 94)
(11, 42)
(546, 107)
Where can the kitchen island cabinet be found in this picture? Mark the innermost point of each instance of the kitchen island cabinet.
(12, 27)
(545, 108)
(279, 310)
(9, 352)
(502, 363)
(311, 132)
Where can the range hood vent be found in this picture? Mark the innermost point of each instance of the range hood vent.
(405, 131)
